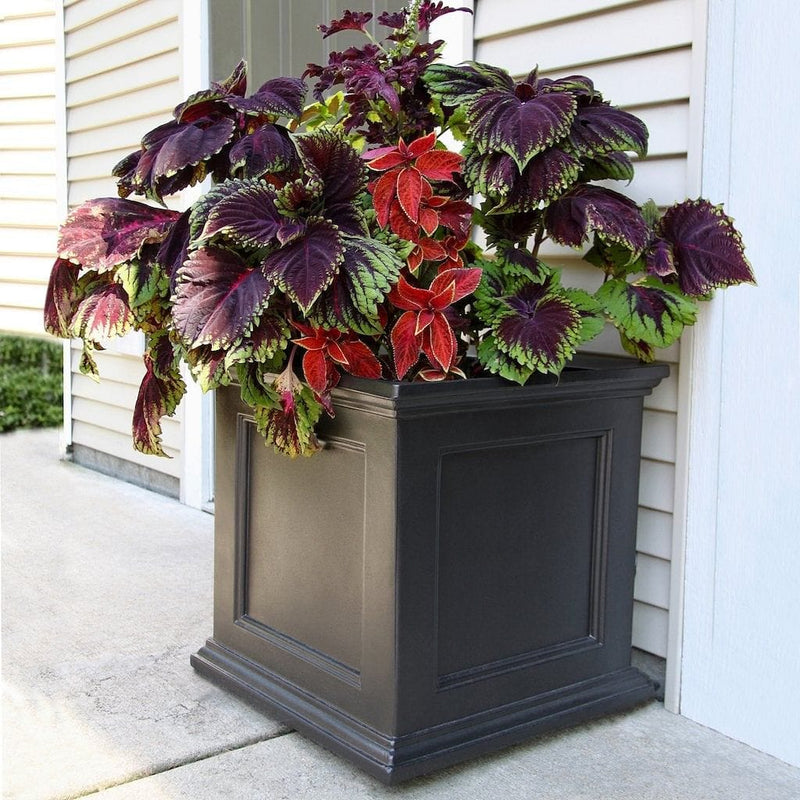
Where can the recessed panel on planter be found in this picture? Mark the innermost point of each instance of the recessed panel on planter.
(518, 573)
(298, 584)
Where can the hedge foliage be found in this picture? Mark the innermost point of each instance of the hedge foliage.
(30, 383)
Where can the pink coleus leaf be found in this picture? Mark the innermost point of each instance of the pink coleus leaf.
(62, 298)
(101, 234)
(158, 397)
(103, 313)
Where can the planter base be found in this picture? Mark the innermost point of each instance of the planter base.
(452, 574)
(393, 760)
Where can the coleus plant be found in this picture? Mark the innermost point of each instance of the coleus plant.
(339, 236)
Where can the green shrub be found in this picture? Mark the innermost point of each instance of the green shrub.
(30, 383)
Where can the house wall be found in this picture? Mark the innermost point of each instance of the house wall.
(122, 71)
(28, 160)
(741, 639)
(640, 57)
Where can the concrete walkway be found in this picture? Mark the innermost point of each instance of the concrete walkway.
(106, 590)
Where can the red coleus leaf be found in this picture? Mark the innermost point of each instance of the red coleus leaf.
(419, 146)
(405, 343)
(384, 192)
(410, 190)
(409, 298)
(439, 342)
(387, 158)
(361, 361)
(439, 165)
(320, 373)
(465, 281)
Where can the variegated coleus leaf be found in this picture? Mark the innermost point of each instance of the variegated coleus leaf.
(591, 312)
(278, 97)
(599, 128)
(586, 209)
(519, 123)
(540, 328)
(607, 166)
(62, 298)
(544, 178)
(456, 85)
(497, 362)
(706, 247)
(264, 346)
(246, 213)
(647, 311)
(268, 149)
(159, 395)
(289, 427)
(101, 234)
(368, 271)
(205, 102)
(304, 267)
(143, 279)
(218, 298)
(103, 312)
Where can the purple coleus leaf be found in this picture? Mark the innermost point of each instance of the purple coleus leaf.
(540, 329)
(456, 85)
(707, 249)
(349, 21)
(585, 209)
(278, 97)
(330, 158)
(601, 128)
(520, 123)
(103, 312)
(101, 234)
(545, 177)
(247, 214)
(62, 298)
(267, 149)
(607, 166)
(430, 11)
(218, 298)
(306, 266)
(660, 260)
(647, 311)
(159, 395)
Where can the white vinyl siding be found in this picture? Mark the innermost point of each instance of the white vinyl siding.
(639, 54)
(122, 73)
(28, 208)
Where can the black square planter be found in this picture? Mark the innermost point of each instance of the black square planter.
(452, 574)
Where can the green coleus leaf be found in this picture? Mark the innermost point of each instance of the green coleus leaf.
(368, 271)
(143, 280)
(256, 387)
(289, 426)
(647, 311)
(499, 363)
(540, 328)
(159, 395)
(591, 313)
(87, 365)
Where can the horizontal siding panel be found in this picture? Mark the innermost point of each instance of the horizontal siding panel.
(149, 16)
(640, 29)
(27, 137)
(122, 108)
(114, 367)
(113, 136)
(652, 581)
(30, 8)
(110, 392)
(96, 166)
(23, 295)
(650, 629)
(27, 30)
(126, 79)
(634, 81)
(30, 162)
(23, 241)
(30, 269)
(32, 84)
(669, 129)
(665, 395)
(120, 420)
(495, 17)
(659, 435)
(28, 58)
(28, 187)
(28, 110)
(657, 485)
(21, 320)
(81, 13)
(30, 213)
(660, 179)
(654, 533)
(81, 191)
(122, 53)
(119, 445)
